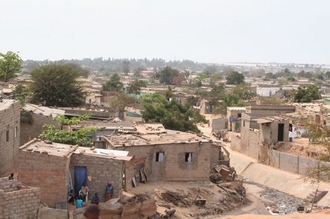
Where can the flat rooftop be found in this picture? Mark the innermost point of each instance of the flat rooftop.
(65, 150)
(6, 103)
(50, 148)
(168, 137)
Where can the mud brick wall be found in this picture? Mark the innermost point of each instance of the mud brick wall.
(31, 131)
(174, 167)
(47, 172)
(9, 125)
(100, 170)
(18, 203)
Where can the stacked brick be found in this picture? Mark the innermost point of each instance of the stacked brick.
(9, 136)
(17, 201)
(47, 172)
(100, 171)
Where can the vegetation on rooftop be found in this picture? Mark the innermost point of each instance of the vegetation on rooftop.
(66, 134)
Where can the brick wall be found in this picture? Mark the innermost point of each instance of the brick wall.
(101, 170)
(30, 131)
(20, 203)
(47, 172)
(9, 137)
(174, 167)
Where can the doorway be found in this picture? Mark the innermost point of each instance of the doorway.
(280, 134)
(80, 176)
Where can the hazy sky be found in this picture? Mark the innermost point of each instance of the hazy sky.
(205, 30)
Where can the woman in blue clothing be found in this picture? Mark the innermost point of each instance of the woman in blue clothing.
(108, 191)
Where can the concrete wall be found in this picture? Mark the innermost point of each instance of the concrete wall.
(30, 131)
(174, 167)
(47, 172)
(18, 203)
(270, 109)
(219, 123)
(295, 164)
(101, 171)
(9, 137)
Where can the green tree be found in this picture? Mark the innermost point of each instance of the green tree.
(20, 93)
(126, 65)
(55, 84)
(167, 74)
(70, 136)
(307, 94)
(235, 78)
(121, 101)
(171, 114)
(10, 63)
(135, 86)
(113, 84)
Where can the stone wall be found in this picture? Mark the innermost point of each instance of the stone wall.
(18, 202)
(100, 171)
(30, 131)
(47, 172)
(174, 167)
(9, 136)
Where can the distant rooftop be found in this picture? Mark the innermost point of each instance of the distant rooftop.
(43, 110)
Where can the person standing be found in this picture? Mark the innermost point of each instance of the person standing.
(108, 191)
(84, 191)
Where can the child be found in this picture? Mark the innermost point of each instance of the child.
(79, 202)
(95, 199)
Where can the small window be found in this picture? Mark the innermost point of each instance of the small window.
(7, 135)
(160, 156)
(239, 115)
(15, 132)
(243, 123)
(188, 157)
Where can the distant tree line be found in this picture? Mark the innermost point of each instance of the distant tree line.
(111, 65)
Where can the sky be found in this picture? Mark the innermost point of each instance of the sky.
(210, 31)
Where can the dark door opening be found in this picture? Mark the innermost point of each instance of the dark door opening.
(80, 176)
(280, 135)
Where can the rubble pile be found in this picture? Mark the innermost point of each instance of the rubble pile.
(222, 173)
(129, 207)
(278, 202)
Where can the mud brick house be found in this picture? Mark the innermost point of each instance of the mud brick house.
(259, 134)
(9, 135)
(57, 168)
(166, 155)
(17, 200)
